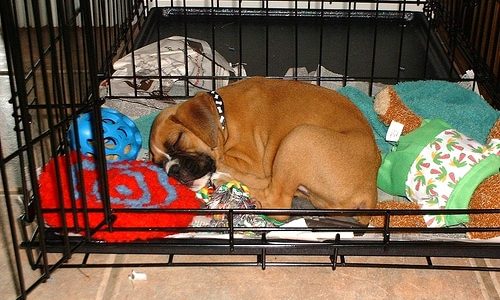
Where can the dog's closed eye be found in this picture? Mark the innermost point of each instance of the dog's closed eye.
(173, 148)
(178, 140)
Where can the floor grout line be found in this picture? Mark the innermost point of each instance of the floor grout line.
(485, 280)
(101, 290)
(494, 277)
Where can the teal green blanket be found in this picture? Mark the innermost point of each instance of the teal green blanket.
(463, 109)
(144, 125)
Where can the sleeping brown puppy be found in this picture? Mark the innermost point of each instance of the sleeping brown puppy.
(279, 137)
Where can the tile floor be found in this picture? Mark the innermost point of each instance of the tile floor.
(237, 283)
(248, 282)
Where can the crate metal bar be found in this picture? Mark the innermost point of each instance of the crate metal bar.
(96, 112)
(12, 222)
(347, 46)
(51, 101)
(401, 42)
(283, 264)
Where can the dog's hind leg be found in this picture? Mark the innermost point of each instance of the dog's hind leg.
(337, 170)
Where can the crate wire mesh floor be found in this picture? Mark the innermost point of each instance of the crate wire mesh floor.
(262, 253)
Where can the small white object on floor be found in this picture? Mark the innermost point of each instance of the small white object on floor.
(137, 276)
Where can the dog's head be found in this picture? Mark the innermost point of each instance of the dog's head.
(183, 139)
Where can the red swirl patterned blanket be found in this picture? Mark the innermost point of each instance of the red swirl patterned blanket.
(135, 186)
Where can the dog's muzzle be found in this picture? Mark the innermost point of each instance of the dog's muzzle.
(191, 170)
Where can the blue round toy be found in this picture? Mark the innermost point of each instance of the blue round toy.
(122, 139)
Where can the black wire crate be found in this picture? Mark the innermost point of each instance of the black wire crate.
(69, 59)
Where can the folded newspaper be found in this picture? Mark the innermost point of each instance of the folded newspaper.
(137, 73)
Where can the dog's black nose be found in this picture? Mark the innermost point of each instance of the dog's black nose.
(174, 170)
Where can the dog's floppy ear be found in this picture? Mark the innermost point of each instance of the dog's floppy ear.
(199, 116)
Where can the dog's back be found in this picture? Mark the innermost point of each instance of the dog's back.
(295, 102)
(302, 137)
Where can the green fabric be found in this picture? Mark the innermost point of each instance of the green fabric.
(144, 125)
(460, 197)
(393, 172)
